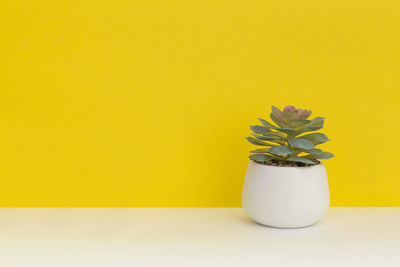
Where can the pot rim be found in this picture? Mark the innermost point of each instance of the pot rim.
(287, 167)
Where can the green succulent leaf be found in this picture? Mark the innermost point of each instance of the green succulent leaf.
(275, 139)
(260, 150)
(317, 120)
(280, 129)
(288, 131)
(310, 129)
(289, 115)
(279, 135)
(280, 150)
(316, 138)
(315, 128)
(323, 155)
(314, 125)
(258, 129)
(267, 124)
(265, 137)
(298, 123)
(257, 142)
(277, 121)
(303, 114)
(314, 151)
(278, 117)
(301, 143)
(260, 157)
(276, 133)
(300, 159)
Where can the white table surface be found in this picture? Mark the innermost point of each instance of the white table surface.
(194, 237)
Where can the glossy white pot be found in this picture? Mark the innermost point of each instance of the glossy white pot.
(285, 197)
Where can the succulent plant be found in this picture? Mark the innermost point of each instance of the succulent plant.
(290, 139)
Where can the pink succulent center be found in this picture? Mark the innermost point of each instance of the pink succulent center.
(290, 109)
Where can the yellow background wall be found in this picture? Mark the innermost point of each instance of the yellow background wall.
(147, 103)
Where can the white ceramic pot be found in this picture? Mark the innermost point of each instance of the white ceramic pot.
(285, 197)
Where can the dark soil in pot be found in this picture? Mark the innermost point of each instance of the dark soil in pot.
(281, 163)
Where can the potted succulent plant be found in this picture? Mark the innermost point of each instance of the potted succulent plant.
(286, 185)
